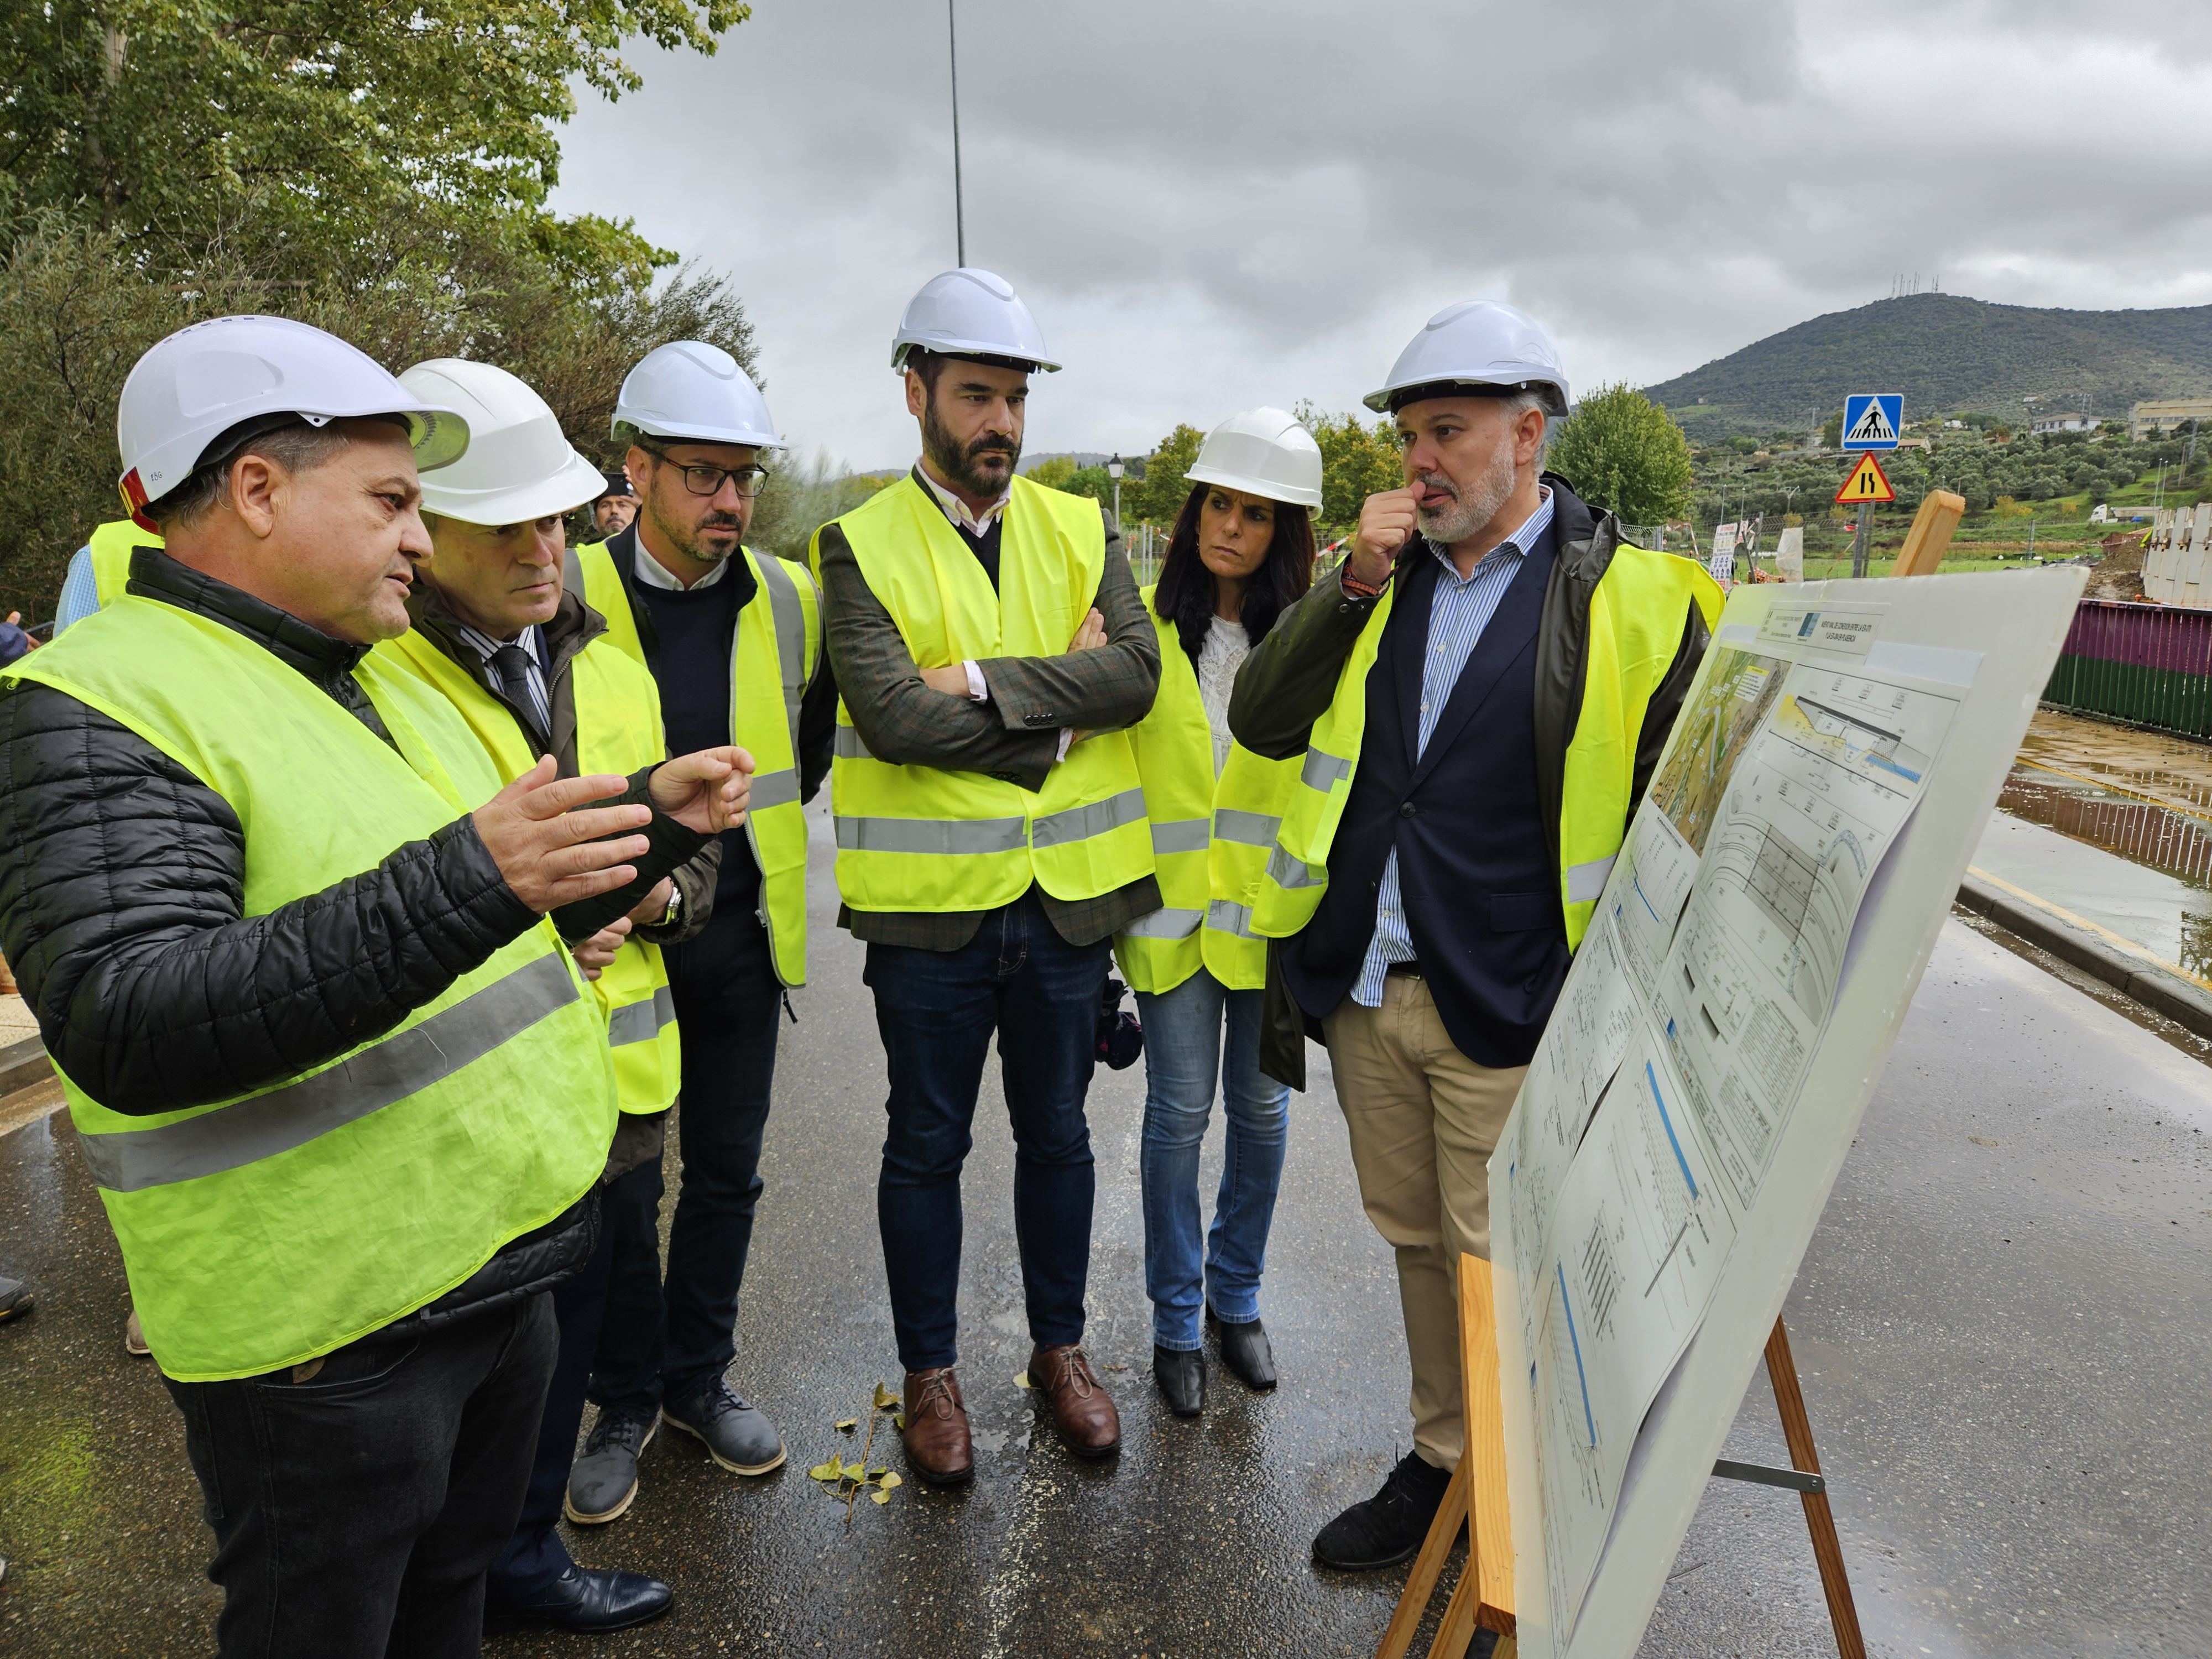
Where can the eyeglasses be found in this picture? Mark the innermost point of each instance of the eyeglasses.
(707, 480)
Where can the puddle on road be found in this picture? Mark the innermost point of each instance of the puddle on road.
(2144, 832)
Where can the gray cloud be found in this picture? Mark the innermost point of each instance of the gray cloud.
(1215, 204)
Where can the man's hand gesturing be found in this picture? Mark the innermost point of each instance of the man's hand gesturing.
(704, 791)
(596, 954)
(552, 854)
(1387, 521)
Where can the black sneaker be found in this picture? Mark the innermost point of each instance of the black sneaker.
(17, 1298)
(1389, 1527)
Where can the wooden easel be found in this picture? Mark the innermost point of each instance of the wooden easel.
(1483, 1599)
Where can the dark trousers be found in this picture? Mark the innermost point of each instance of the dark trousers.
(937, 1010)
(670, 1344)
(535, 1556)
(356, 1512)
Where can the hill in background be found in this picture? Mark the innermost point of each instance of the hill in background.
(1946, 353)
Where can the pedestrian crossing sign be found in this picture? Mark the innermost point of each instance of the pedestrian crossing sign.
(1872, 419)
(1868, 482)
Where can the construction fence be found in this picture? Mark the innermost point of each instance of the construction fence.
(2145, 665)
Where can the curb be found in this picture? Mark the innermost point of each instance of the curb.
(2181, 1000)
(24, 1064)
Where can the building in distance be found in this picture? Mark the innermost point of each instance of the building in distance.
(2157, 417)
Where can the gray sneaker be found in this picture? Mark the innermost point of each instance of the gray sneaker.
(603, 1483)
(738, 1437)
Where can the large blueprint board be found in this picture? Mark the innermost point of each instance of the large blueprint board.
(1715, 1044)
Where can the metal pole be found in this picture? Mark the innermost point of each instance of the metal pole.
(1117, 504)
(959, 204)
(1859, 543)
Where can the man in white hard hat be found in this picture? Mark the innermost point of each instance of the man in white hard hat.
(733, 637)
(1478, 696)
(991, 651)
(285, 930)
(535, 671)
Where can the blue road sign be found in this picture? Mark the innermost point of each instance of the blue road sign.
(1872, 419)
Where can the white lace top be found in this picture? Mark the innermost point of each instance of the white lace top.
(1219, 656)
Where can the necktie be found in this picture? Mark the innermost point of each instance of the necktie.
(512, 664)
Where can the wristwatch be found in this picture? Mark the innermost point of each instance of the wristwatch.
(675, 910)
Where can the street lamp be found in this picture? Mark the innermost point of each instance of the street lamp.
(1114, 471)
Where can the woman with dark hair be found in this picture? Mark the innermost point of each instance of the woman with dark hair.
(1242, 551)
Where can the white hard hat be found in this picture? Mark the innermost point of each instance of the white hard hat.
(691, 391)
(1478, 343)
(1263, 452)
(970, 312)
(201, 382)
(519, 465)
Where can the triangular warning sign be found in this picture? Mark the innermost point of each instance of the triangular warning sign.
(1872, 426)
(1868, 482)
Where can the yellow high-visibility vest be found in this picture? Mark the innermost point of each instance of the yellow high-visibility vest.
(922, 838)
(1637, 616)
(110, 546)
(772, 657)
(1211, 837)
(263, 1230)
(617, 730)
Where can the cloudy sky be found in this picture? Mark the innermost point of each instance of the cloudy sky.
(1213, 203)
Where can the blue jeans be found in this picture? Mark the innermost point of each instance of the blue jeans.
(937, 1010)
(1183, 1055)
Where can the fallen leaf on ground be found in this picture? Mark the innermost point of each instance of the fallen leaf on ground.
(890, 1480)
(1021, 1380)
(879, 1497)
(885, 1399)
(833, 1470)
(850, 1424)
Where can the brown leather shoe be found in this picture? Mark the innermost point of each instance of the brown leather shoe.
(936, 1434)
(1087, 1421)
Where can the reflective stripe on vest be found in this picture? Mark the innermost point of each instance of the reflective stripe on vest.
(642, 1022)
(618, 730)
(927, 839)
(1210, 837)
(1638, 615)
(293, 1114)
(112, 545)
(774, 654)
(266, 1230)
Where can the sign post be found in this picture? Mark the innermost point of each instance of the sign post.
(1872, 419)
(1866, 485)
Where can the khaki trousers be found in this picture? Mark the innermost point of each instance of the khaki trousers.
(1424, 1119)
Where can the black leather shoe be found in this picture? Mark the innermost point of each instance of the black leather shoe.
(1389, 1527)
(588, 1601)
(1181, 1373)
(1245, 1351)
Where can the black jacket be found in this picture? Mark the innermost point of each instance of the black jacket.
(1287, 683)
(122, 880)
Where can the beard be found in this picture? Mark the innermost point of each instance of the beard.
(1476, 505)
(685, 538)
(957, 462)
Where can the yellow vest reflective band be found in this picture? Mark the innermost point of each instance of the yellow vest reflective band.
(110, 546)
(921, 838)
(778, 643)
(1209, 838)
(1636, 622)
(618, 730)
(263, 1230)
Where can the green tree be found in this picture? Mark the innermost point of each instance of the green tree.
(1623, 455)
(1831, 429)
(76, 310)
(295, 129)
(1358, 459)
(1091, 481)
(1053, 471)
(1160, 497)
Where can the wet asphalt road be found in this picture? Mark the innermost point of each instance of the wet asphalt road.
(2004, 1325)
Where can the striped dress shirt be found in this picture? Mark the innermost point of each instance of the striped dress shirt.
(532, 642)
(1461, 609)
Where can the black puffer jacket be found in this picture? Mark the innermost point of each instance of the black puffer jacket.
(122, 878)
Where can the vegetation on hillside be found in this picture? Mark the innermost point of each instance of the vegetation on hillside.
(1944, 351)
